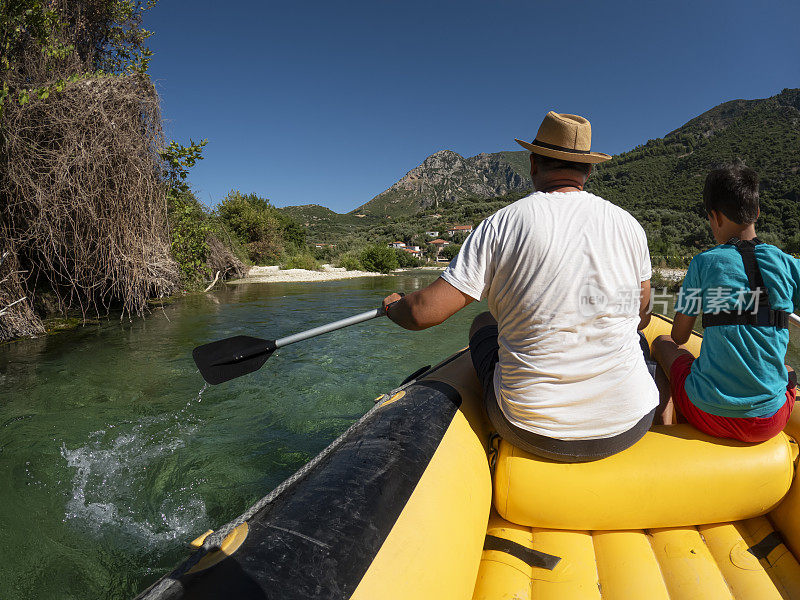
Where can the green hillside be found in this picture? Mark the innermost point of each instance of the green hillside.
(659, 182)
(326, 226)
(519, 160)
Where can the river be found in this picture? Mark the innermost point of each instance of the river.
(113, 455)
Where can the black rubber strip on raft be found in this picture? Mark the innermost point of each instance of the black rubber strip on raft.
(765, 546)
(532, 558)
(318, 539)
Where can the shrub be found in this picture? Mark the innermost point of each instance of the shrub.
(406, 259)
(250, 217)
(449, 252)
(266, 231)
(267, 251)
(301, 260)
(379, 259)
(350, 262)
(659, 283)
(189, 228)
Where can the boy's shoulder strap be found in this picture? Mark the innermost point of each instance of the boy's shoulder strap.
(764, 316)
(747, 250)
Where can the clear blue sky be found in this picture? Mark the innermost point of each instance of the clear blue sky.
(332, 102)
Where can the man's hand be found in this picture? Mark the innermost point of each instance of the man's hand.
(426, 307)
(391, 299)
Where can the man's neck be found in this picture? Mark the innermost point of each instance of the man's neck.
(561, 188)
(563, 181)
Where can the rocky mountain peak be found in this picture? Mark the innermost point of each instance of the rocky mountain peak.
(444, 177)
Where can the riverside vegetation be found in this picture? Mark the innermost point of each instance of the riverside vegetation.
(96, 212)
(93, 202)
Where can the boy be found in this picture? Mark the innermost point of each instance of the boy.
(738, 387)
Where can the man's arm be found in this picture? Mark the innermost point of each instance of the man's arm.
(644, 305)
(426, 307)
(682, 327)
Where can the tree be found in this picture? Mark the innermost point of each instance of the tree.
(267, 232)
(45, 45)
(378, 259)
(450, 252)
(406, 259)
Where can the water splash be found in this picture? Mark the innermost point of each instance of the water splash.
(128, 482)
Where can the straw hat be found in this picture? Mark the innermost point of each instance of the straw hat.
(567, 137)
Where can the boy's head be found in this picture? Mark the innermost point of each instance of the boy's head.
(733, 191)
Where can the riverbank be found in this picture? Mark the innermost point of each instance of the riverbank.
(275, 274)
(671, 273)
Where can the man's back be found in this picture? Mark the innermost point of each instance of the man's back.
(562, 274)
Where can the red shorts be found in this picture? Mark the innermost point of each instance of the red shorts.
(748, 429)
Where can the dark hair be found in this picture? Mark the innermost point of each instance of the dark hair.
(547, 163)
(733, 191)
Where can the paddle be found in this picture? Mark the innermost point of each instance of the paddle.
(235, 356)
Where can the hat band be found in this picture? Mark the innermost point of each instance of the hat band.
(561, 148)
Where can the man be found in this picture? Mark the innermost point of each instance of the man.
(567, 277)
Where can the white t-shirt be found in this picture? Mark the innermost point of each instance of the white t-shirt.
(563, 273)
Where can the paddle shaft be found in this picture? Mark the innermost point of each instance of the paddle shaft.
(378, 312)
(304, 335)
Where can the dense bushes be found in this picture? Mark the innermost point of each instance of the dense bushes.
(200, 242)
(301, 260)
(350, 261)
(190, 227)
(405, 259)
(379, 259)
(449, 252)
(81, 197)
(267, 233)
(83, 166)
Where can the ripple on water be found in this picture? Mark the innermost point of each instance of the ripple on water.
(125, 463)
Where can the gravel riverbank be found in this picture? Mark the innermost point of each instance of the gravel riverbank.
(275, 274)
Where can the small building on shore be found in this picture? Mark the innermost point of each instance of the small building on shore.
(459, 229)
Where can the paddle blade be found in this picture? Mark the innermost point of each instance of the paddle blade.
(232, 357)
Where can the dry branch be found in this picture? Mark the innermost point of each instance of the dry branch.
(83, 202)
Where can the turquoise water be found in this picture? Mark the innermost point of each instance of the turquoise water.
(113, 456)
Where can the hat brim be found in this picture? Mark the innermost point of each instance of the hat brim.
(591, 157)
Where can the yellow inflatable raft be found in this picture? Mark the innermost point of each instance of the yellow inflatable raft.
(418, 500)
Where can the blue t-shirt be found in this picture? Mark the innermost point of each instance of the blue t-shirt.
(740, 371)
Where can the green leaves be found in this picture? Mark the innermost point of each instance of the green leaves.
(189, 229)
(178, 159)
(379, 259)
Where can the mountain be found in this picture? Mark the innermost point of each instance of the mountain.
(447, 177)
(659, 182)
(309, 212)
(323, 225)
